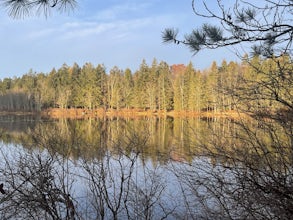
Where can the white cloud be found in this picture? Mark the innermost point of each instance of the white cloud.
(41, 33)
(121, 34)
(117, 11)
(86, 29)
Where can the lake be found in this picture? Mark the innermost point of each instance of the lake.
(121, 168)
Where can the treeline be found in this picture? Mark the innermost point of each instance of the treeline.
(158, 87)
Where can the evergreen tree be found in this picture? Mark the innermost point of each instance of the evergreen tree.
(151, 86)
(115, 88)
(90, 90)
(211, 88)
(140, 80)
(102, 86)
(61, 81)
(23, 8)
(128, 87)
(165, 90)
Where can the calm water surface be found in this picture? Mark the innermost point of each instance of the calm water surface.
(128, 165)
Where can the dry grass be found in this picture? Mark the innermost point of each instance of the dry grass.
(132, 113)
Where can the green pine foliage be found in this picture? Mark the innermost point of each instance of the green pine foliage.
(159, 87)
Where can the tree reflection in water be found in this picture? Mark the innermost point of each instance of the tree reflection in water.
(146, 169)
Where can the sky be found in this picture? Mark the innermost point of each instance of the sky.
(112, 32)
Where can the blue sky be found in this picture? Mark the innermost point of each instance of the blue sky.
(112, 32)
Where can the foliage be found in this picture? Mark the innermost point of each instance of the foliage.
(266, 25)
(24, 8)
(256, 180)
(158, 88)
(40, 183)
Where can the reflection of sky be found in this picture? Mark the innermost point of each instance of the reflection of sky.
(146, 176)
(15, 123)
(9, 152)
(154, 159)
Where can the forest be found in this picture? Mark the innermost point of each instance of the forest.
(157, 167)
(155, 87)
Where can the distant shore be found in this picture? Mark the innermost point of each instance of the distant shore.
(78, 113)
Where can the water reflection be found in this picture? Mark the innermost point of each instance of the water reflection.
(134, 168)
(108, 168)
(165, 137)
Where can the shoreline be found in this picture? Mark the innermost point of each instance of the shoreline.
(77, 113)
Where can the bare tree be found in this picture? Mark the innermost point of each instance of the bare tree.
(109, 182)
(37, 185)
(121, 186)
(241, 173)
(249, 169)
(267, 23)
